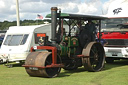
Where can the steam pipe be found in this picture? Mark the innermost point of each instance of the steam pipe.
(53, 24)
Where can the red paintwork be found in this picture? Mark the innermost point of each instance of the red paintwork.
(54, 52)
(82, 56)
(54, 58)
(48, 66)
(114, 35)
(41, 34)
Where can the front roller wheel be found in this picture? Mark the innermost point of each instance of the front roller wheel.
(95, 56)
(41, 59)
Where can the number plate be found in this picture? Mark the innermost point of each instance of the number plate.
(114, 54)
(33, 68)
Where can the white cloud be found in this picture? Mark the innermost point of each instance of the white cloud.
(30, 8)
(90, 8)
(94, 7)
(2, 4)
(68, 7)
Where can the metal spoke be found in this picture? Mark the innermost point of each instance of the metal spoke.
(48, 63)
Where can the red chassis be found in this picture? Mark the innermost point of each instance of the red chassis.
(54, 57)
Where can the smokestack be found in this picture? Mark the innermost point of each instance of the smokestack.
(53, 24)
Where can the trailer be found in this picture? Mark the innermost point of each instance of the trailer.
(18, 41)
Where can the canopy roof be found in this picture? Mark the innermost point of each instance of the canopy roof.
(78, 16)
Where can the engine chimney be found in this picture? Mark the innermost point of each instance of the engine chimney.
(53, 24)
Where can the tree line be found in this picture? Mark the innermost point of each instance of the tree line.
(6, 24)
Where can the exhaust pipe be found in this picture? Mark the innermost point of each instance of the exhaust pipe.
(53, 24)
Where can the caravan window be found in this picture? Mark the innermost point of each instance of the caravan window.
(24, 39)
(7, 40)
(14, 40)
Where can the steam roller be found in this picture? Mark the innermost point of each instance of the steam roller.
(65, 50)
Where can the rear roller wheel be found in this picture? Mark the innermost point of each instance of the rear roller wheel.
(41, 59)
(95, 57)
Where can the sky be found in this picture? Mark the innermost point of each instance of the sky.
(29, 9)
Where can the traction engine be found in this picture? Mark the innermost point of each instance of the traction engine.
(64, 51)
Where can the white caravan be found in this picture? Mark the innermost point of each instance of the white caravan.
(18, 41)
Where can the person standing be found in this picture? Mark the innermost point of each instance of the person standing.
(91, 28)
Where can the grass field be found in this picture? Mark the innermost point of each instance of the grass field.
(112, 74)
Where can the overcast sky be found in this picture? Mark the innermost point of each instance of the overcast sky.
(30, 8)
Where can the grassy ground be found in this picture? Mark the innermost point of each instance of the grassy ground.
(113, 74)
